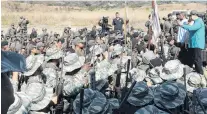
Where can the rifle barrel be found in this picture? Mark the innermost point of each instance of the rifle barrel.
(128, 66)
(127, 95)
(81, 99)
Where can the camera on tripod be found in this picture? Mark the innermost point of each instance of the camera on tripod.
(105, 20)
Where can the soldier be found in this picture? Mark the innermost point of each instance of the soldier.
(23, 51)
(66, 36)
(78, 45)
(95, 102)
(16, 45)
(34, 88)
(166, 26)
(5, 45)
(75, 76)
(148, 23)
(170, 20)
(33, 33)
(173, 51)
(104, 25)
(23, 26)
(40, 46)
(44, 35)
(6, 68)
(118, 23)
(51, 67)
(31, 45)
(12, 33)
(93, 33)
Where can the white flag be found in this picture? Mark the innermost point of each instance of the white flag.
(155, 23)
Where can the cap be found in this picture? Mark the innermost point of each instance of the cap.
(169, 39)
(169, 15)
(146, 38)
(178, 13)
(193, 12)
(136, 34)
(164, 18)
(62, 40)
(4, 43)
(77, 40)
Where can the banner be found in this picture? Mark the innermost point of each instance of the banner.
(155, 23)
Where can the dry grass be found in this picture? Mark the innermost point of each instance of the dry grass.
(54, 17)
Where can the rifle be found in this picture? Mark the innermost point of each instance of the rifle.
(86, 46)
(162, 51)
(186, 106)
(81, 99)
(127, 74)
(118, 111)
(117, 85)
(92, 79)
(21, 81)
(195, 98)
(59, 91)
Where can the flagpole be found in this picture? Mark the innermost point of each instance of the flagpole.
(125, 16)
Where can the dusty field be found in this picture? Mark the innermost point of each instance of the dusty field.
(56, 18)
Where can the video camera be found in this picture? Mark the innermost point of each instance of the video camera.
(105, 20)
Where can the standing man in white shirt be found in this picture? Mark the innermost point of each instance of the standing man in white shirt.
(182, 38)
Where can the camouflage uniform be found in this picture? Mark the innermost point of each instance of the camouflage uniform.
(167, 27)
(173, 52)
(23, 27)
(73, 84)
(44, 36)
(12, 33)
(95, 102)
(16, 45)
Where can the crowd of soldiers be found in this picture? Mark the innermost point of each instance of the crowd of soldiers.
(101, 71)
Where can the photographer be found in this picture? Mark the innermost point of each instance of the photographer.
(104, 25)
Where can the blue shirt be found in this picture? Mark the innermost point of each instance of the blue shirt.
(183, 34)
(197, 34)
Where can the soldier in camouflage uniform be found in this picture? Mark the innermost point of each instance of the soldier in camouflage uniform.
(166, 26)
(5, 45)
(150, 109)
(34, 96)
(173, 51)
(78, 45)
(51, 68)
(95, 102)
(75, 76)
(23, 27)
(16, 45)
(44, 36)
(12, 33)
(67, 36)
(33, 33)
(31, 45)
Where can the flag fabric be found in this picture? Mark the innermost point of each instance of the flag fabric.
(12, 62)
(155, 23)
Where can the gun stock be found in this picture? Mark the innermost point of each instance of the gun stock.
(117, 84)
(59, 90)
(92, 80)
